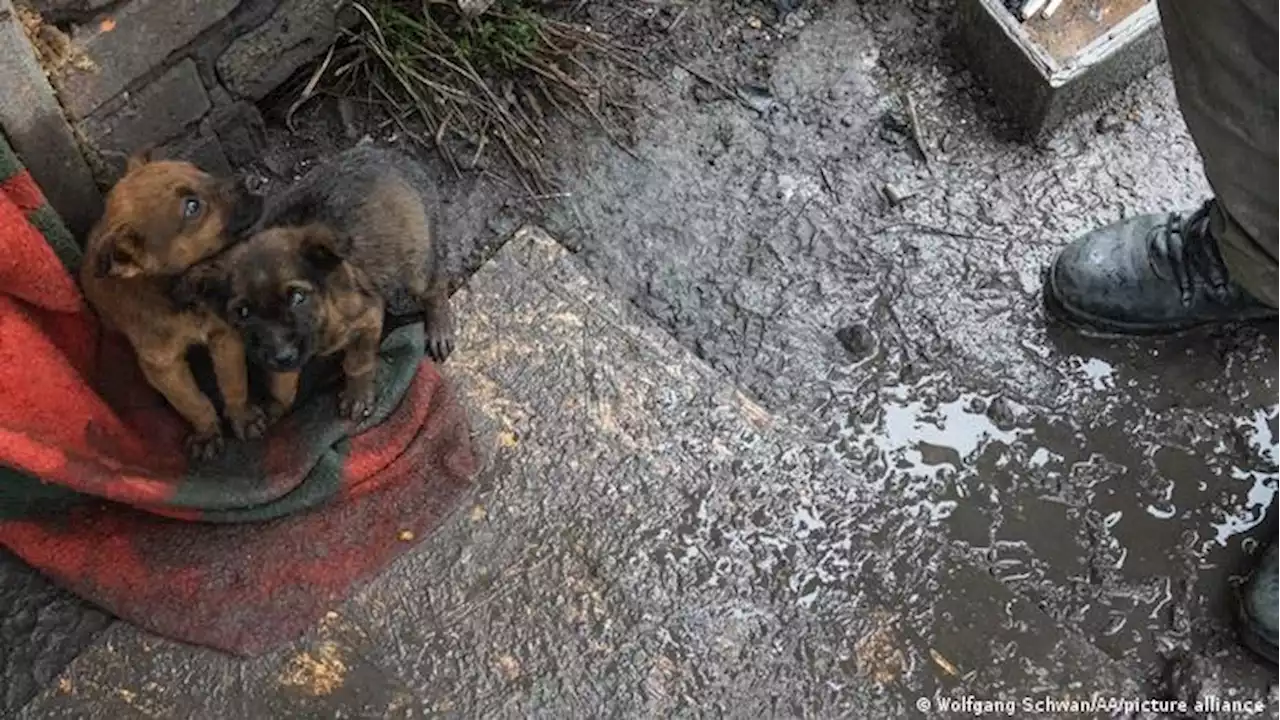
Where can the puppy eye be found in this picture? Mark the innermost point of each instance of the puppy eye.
(190, 206)
(297, 297)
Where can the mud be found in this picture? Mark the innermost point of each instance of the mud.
(1120, 485)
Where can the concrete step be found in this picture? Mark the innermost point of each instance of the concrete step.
(644, 540)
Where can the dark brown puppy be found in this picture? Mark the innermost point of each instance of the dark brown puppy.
(160, 219)
(351, 241)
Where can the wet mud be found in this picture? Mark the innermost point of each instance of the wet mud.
(1120, 484)
(887, 301)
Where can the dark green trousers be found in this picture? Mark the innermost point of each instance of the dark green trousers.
(1223, 54)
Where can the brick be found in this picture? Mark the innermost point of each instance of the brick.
(131, 42)
(152, 115)
(34, 124)
(53, 10)
(262, 59)
(203, 150)
(241, 131)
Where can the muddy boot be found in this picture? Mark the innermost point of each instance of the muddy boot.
(1258, 607)
(1146, 275)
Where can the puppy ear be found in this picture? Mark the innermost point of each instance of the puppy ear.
(139, 158)
(206, 285)
(116, 255)
(321, 247)
(243, 207)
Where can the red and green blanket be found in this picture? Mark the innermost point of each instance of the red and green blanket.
(241, 553)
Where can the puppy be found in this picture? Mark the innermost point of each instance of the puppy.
(348, 243)
(160, 219)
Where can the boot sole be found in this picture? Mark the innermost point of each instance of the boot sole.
(1104, 327)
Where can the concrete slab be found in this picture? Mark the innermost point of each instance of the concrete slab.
(645, 541)
(35, 126)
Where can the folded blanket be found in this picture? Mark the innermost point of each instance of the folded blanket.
(240, 553)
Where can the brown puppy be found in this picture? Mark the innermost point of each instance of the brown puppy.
(160, 219)
(349, 242)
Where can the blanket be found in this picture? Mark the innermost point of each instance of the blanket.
(243, 552)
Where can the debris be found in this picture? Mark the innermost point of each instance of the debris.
(347, 113)
(316, 674)
(474, 7)
(726, 92)
(1051, 8)
(405, 535)
(857, 340)
(829, 184)
(478, 513)
(1001, 413)
(754, 23)
(54, 49)
(1108, 122)
(1029, 8)
(943, 663)
(896, 195)
(509, 667)
(917, 133)
(757, 98)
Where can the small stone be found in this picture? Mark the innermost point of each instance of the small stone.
(1001, 413)
(508, 666)
(405, 536)
(474, 7)
(896, 194)
(755, 23)
(758, 97)
(857, 340)
(1108, 122)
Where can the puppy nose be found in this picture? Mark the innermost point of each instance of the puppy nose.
(285, 356)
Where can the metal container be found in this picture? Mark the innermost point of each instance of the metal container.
(1038, 90)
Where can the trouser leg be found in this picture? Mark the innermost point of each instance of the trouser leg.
(1224, 56)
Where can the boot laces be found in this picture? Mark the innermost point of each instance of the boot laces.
(1191, 253)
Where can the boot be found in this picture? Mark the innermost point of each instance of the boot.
(1258, 607)
(1147, 275)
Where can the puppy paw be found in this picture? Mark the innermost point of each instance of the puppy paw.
(248, 423)
(275, 411)
(356, 401)
(440, 343)
(204, 445)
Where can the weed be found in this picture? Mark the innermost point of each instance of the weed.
(473, 83)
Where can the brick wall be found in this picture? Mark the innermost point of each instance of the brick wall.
(182, 75)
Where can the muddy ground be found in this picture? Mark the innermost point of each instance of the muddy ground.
(1121, 485)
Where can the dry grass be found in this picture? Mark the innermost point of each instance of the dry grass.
(471, 86)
